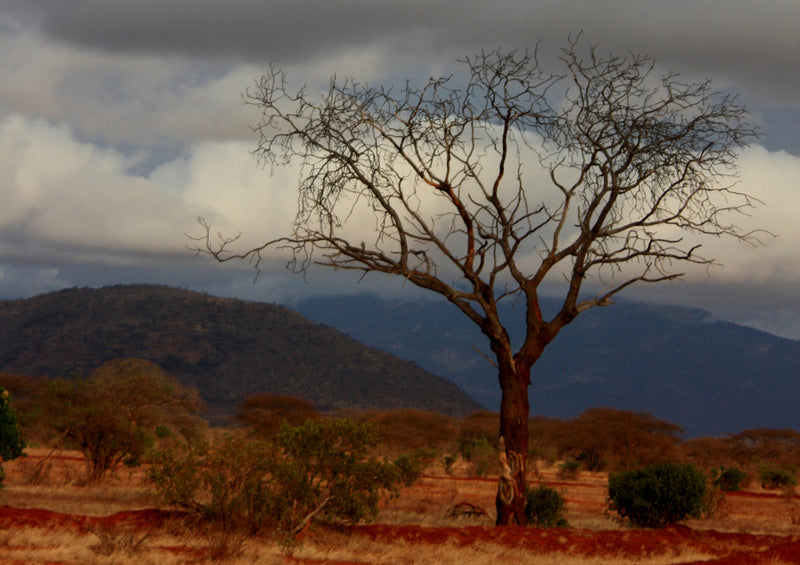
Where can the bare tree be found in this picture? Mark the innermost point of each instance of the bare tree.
(483, 186)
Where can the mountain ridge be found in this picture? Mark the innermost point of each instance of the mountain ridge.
(226, 347)
(678, 363)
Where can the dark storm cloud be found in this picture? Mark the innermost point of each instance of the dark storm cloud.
(284, 29)
(737, 40)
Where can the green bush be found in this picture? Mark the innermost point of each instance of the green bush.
(226, 484)
(658, 495)
(777, 478)
(728, 479)
(544, 507)
(480, 452)
(328, 460)
(569, 469)
(11, 443)
(320, 470)
(410, 467)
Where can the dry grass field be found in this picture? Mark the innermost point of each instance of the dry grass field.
(50, 518)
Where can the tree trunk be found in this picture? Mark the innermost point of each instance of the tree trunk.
(514, 409)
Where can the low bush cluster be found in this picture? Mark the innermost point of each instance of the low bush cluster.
(569, 469)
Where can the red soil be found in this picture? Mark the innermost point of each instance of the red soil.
(629, 544)
(150, 519)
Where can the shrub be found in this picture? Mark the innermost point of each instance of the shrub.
(728, 479)
(410, 467)
(777, 478)
(407, 431)
(569, 469)
(606, 438)
(544, 507)
(480, 452)
(448, 461)
(658, 495)
(265, 413)
(319, 470)
(325, 465)
(11, 443)
(224, 484)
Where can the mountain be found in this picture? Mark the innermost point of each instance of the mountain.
(227, 348)
(679, 364)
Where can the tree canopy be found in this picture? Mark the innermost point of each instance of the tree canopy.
(114, 414)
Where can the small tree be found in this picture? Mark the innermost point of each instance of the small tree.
(777, 478)
(728, 479)
(486, 187)
(112, 415)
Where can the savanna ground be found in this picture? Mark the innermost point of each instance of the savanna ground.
(53, 519)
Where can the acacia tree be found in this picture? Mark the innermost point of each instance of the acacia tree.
(450, 172)
(112, 415)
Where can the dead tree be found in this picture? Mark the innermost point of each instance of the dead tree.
(483, 186)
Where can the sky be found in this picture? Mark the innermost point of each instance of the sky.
(122, 122)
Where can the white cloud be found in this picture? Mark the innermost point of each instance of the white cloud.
(772, 177)
(66, 196)
(127, 100)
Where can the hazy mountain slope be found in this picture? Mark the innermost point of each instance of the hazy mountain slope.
(707, 376)
(227, 348)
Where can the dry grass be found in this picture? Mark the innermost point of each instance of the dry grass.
(328, 547)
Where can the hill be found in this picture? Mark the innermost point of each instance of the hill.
(679, 364)
(227, 348)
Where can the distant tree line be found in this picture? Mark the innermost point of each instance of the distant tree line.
(126, 406)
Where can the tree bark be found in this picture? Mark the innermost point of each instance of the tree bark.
(514, 410)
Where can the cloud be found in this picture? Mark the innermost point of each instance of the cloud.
(772, 177)
(153, 73)
(69, 198)
(137, 100)
(63, 196)
(737, 40)
(120, 122)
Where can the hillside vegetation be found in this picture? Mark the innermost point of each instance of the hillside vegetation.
(226, 348)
